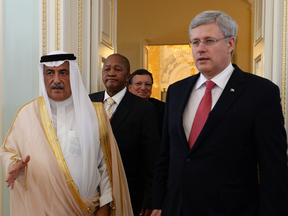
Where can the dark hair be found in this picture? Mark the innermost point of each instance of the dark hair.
(139, 72)
(125, 60)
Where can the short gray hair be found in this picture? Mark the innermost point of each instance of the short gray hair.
(227, 24)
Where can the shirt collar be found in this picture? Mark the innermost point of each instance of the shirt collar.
(117, 97)
(220, 79)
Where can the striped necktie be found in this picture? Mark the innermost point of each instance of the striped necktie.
(109, 108)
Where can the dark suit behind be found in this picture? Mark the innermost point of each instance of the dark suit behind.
(160, 108)
(135, 128)
(218, 176)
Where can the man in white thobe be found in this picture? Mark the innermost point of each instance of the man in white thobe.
(68, 144)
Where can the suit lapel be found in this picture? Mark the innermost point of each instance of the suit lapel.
(231, 92)
(100, 97)
(122, 111)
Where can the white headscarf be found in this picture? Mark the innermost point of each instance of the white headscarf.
(87, 125)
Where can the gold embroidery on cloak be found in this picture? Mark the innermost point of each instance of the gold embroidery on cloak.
(54, 144)
(105, 144)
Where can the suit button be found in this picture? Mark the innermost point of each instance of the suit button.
(188, 160)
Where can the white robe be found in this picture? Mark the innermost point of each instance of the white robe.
(41, 189)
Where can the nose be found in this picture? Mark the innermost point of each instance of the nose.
(112, 73)
(57, 79)
(143, 86)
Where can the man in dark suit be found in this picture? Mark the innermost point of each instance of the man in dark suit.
(214, 172)
(134, 124)
(140, 84)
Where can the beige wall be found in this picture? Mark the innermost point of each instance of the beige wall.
(166, 22)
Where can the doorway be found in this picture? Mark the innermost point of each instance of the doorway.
(169, 64)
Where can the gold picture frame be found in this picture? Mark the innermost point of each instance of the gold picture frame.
(259, 21)
(258, 66)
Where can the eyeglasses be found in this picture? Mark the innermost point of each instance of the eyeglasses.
(147, 85)
(207, 42)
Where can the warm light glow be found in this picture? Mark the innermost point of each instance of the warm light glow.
(168, 64)
(183, 54)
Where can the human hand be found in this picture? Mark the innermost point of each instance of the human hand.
(146, 211)
(103, 211)
(15, 171)
(156, 212)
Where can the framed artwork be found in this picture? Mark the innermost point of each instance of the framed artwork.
(259, 21)
(258, 65)
(106, 23)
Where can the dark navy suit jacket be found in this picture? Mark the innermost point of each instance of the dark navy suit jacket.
(218, 176)
(160, 108)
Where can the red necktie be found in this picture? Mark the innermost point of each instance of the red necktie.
(201, 114)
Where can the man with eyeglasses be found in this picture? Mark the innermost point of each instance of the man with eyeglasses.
(140, 84)
(224, 144)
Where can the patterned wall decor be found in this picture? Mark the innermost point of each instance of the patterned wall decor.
(284, 59)
(44, 27)
(80, 34)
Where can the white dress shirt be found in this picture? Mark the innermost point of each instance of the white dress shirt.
(197, 93)
(64, 122)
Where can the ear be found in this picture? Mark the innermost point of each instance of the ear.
(128, 77)
(129, 87)
(231, 44)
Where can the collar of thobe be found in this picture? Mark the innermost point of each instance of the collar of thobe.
(118, 97)
(64, 103)
(220, 79)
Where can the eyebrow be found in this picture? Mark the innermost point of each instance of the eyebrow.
(204, 38)
(61, 70)
(113, 66)
(64, 70)
(49, 69)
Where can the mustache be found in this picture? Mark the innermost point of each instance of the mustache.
(59, 85)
